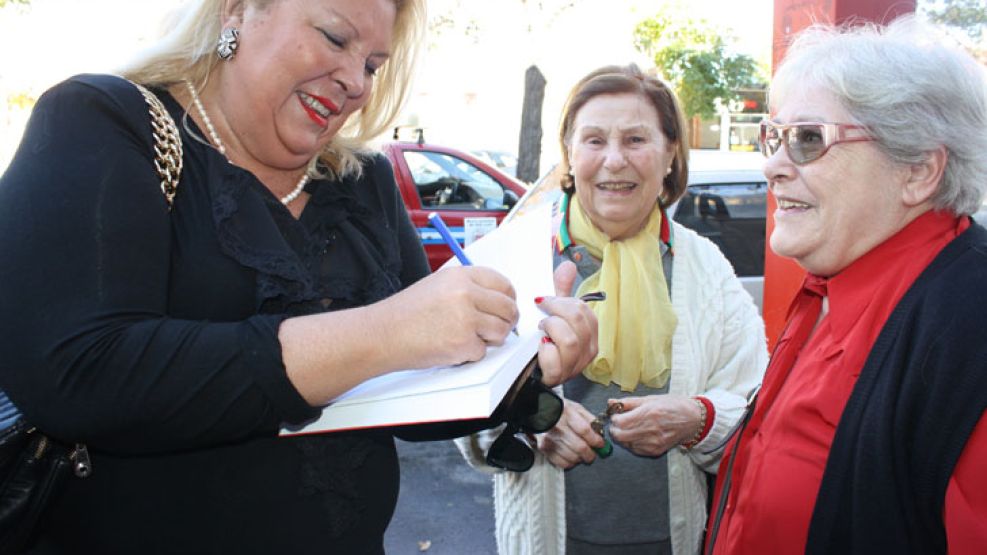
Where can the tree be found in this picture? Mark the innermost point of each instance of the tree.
(694, 57)
(529, 142)
(528, 18)
(969, 16)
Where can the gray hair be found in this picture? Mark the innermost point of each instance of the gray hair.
(187, 51)
(911, 87)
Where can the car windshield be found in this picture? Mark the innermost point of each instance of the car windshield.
(444, 180)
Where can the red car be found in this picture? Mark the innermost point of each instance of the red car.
(470, 195)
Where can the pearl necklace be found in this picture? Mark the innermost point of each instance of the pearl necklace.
(285, 200)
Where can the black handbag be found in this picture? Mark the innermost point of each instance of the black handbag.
(33, 466)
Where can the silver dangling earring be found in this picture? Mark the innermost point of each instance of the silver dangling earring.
(229, 39)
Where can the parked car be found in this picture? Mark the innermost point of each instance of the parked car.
(503, 161)
(726, 202)
(471, 196)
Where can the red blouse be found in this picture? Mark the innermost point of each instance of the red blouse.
(779, 468)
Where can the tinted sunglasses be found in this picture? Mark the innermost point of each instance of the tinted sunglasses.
(808, 141)
(532, 408)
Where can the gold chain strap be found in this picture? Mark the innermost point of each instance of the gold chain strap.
(167, 145)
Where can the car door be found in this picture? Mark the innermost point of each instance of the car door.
(471, 197)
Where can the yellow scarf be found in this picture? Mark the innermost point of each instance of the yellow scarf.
(636, 321)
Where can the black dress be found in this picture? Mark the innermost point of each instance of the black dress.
(152, 336)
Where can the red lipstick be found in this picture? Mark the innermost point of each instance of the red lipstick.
(312, 113)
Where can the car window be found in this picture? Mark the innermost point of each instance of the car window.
(447, 181)
(732, 216)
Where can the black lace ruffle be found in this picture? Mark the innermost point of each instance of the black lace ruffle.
(248, 231)
(254, 229)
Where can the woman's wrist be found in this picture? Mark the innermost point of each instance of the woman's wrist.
(705, 422)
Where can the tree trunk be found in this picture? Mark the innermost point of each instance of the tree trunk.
(529, 145)
(695, 132)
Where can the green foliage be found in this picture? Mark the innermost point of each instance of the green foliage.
(968, 15)
(694, 57)
(3, 3)
(21, 101)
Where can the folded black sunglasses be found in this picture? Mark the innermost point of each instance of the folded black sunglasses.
(532, 408)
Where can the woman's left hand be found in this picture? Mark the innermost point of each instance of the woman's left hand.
(571, 330)
(651, 425)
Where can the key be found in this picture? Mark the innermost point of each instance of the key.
(599, 425)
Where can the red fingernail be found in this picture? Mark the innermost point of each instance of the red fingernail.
(547, 339)
(538, 300)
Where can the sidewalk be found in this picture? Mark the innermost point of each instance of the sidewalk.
(442, 501)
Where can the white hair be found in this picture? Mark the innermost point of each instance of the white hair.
(911, 86)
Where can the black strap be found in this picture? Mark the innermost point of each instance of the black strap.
(717, 515)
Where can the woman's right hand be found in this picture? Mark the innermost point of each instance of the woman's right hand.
(446, 318)
(451, 316)
(572, 440)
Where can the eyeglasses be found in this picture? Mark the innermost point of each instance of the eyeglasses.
(808, 141)
(532, 408)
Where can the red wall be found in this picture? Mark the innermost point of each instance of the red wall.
(782, 277)
(791, 16)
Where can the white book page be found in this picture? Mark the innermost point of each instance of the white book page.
(521, 251)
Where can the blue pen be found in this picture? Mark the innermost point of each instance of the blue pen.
(435, 220)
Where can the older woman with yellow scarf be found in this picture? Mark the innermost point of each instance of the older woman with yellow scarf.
(681, 344)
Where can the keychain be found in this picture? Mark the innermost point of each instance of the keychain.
(601, 425)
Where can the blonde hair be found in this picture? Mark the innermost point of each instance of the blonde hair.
(187, 51)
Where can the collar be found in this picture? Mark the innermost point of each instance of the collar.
(563, 240)
(886, 272)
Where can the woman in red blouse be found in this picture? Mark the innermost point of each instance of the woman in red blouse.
(868, 434)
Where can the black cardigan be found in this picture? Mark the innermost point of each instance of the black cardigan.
(919, 396)
(152, 336)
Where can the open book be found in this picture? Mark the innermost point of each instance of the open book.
(521, 250)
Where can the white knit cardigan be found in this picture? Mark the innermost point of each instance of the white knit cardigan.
(718, 351)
